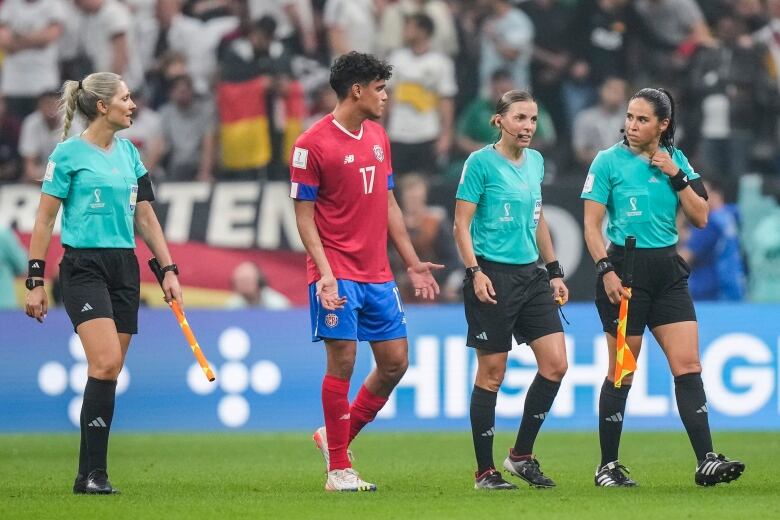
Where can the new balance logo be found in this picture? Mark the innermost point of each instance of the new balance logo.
(541, 416)
(491, 432)
(344, 417)
(618, 417)
(703, 409)
(482, 336)
(349, 159)
(98, 423)
(86, 307)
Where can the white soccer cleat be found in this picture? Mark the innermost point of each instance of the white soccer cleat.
(321, 441)
(347, 480)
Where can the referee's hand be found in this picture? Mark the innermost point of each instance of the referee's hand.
(36, 303)
(483, 288)
(172, 289)
(614, 288)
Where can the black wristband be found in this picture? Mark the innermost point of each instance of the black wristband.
(604, 266)
(35, 268)
(554, 270)
(679, 181)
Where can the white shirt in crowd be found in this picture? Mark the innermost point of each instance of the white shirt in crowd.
(358, 18)
(37, 141)
(96, 32)
(419, 82)
(30, 72)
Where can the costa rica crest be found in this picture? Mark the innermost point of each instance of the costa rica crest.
(379, 153)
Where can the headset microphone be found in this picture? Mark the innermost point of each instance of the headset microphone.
(507, 131)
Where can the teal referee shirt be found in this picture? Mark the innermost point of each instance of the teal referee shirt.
(98, 189)
(639, 197)
(508, 196)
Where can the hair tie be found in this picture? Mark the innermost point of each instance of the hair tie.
(80, 86)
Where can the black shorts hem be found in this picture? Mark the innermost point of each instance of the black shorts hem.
(490, 348)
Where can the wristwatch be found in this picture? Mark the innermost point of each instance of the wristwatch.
(171, 267)
(470, 271)
(604, 266)
(32, 283)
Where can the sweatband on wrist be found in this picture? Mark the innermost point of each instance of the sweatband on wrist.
(35, 268)
(679, 181)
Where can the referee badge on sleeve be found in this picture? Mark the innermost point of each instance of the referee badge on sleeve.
(589, 183)
(49, 175)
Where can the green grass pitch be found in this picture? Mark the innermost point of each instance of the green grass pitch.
(419, 476)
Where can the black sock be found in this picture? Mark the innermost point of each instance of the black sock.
(98, 411)
(692, 404)
(612, 408)
(483, 420)
(83, 456)
(538, 402)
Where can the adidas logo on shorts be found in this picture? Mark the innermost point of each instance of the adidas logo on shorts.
(482, 336)
(86, 307)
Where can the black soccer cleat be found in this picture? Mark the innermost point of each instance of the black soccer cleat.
(613, 475)
(529, 471)
(493, 481)
(717, 469)
(98, 483)
(80, 485)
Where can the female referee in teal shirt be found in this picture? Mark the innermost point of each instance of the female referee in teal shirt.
(639, 183)
(104, 189)
(500, 231)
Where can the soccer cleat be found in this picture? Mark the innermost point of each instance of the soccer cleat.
(80, 485)
(347, 480)
(528, 470)
(98, 484)
(612, 475)
(492, 480)
(321, 441)
(716, 469)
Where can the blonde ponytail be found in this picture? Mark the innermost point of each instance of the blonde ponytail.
(82, 96)
(68, 101)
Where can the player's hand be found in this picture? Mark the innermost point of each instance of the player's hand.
(614, 288)
(663, 161)
(36, 304)
(422, 279)
(328, 293)
(172, 289)
(483, 288)
(560, 291)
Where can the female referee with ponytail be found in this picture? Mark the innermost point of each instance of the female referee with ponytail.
(501, 232)
(640, 183)
(104, 189)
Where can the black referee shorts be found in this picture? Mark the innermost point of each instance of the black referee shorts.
(525, 307)
(659, 295)
(101, 283)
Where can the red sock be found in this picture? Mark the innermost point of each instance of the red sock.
(335, 404)
(363, 410)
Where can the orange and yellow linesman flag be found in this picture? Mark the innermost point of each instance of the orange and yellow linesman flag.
(154, 265)
(625, 363)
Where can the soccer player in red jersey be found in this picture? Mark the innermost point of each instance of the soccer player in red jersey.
(342, 183)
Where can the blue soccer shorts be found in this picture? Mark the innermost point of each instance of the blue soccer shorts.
(373, 312)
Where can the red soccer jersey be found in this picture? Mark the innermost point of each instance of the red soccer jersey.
(348, 176)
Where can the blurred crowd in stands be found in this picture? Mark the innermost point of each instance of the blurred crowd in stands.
(224, 87)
